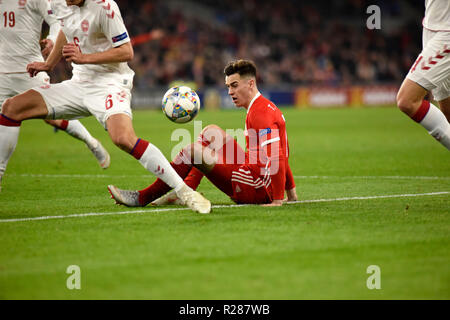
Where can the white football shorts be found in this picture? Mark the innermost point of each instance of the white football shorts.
(12, 84)
(431, 70)
(74, 99)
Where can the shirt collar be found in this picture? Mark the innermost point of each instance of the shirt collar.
(253, 100)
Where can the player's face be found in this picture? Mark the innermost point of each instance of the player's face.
(239, 89)
(74, 2)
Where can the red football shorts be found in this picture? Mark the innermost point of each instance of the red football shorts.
(240, 181)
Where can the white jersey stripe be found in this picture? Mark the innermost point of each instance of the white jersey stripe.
(270, 141)
(250, 184)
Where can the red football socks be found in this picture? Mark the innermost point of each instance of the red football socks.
(193, 178)
(422, 111)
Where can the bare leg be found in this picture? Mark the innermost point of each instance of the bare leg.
(410, 101)
(410, 97)
(121, 131)
(27, 105)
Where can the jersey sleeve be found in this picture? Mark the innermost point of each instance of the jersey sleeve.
(270, 153)
(50, 18)
(42, 7)
(289, 177)
(112, 24)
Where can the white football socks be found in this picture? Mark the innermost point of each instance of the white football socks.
(8, 142)
(437, 125)
(76, 129)
(154, 161)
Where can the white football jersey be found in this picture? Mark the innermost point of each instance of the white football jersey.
(96, 26)
(437, 15)
(20, 32)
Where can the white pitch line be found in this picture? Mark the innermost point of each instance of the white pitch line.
(92, 176)
(91, 214)
(375, 177)
(37, 175)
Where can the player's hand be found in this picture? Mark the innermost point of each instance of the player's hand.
(72, 53)
(46, 47)
(291, 195)
(274, 203)
(35, 67)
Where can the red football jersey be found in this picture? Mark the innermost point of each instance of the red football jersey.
(267, 148)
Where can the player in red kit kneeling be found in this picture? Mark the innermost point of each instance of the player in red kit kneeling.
(260, 175)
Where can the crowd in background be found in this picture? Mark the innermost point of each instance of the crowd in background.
(292, 42)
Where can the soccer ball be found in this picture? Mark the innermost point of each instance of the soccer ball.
(180, 104)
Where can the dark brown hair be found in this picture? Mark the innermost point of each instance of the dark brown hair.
(243, 67)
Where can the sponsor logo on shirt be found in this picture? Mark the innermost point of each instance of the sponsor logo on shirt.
(120, 37)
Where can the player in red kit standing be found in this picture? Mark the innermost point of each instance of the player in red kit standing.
(260, 175)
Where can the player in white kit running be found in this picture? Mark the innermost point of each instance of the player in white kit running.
(430, 73)
(94, 38)
(20, 32)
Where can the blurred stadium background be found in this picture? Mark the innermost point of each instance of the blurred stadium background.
(309, 53)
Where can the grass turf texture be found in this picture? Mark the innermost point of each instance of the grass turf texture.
(299, 251)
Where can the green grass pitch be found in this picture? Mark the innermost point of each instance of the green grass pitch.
(379, 189)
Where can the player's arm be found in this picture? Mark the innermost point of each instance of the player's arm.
(270, 149)
(277, 173)
(54, 27)
(55, 55)
(122, 53)
(291, 192)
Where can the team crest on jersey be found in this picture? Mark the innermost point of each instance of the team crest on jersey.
(85, 25)
(121, 96)
(22, 3)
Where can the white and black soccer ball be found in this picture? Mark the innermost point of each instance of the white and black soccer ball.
(181, 104)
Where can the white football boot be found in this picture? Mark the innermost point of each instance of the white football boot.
(194, 200)
(101, 154)
(169, 198)
(129, 198)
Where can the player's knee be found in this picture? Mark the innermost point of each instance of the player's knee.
(406, 105)
(211, 128)
(123, 141)
(212, 133)
(8, 108)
